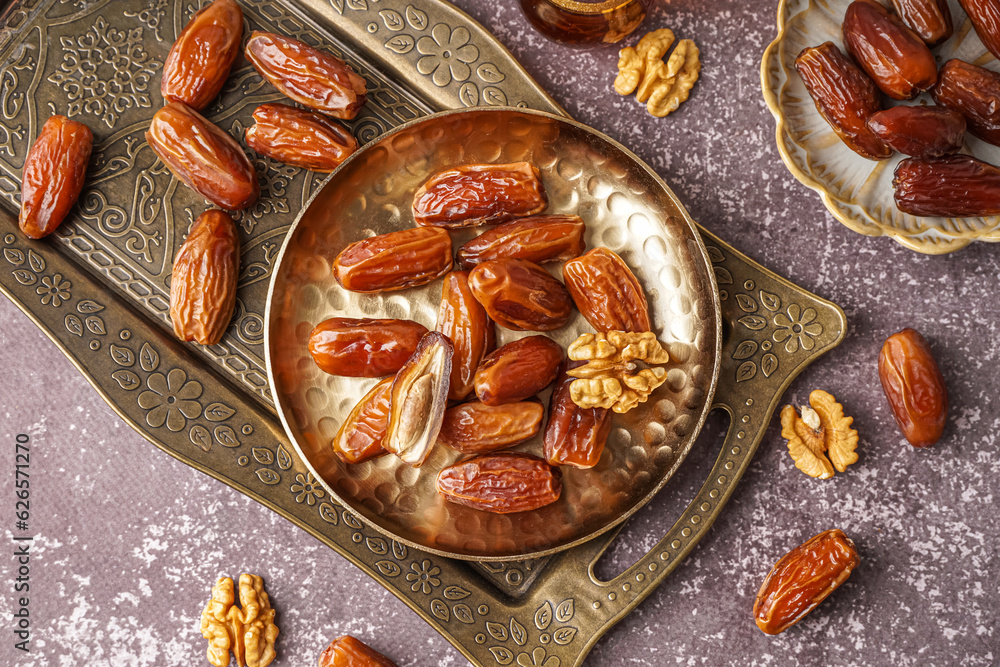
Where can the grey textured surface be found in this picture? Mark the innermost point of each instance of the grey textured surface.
(130, 540)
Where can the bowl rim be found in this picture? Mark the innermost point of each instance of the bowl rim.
(687, 443)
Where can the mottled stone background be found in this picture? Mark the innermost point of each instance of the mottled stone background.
(130, 539)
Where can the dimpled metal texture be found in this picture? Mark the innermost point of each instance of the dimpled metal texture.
(626, 208)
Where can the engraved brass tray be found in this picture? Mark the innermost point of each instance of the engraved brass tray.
(98, 288)
(627, 208)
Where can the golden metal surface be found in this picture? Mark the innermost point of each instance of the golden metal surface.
(90, 289)
(626, 207)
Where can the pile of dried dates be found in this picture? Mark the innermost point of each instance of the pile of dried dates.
(453, 387)
(204, 157)
(890, 54)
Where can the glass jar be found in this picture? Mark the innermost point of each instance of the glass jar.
(582, 22)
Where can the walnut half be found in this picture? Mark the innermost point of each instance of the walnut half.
(661, 86)
(821, 438)
(249, 632)
(612, 379)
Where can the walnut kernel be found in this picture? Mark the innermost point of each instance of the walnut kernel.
(612, 379)
(249, 632)
(662, 86)
(821, 438)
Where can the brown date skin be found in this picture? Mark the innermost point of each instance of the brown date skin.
(914, 387)
(574, 436)
(363, 348)
(521, 295)
(464, 320)
(894, 56)
(930, 19)
(538, 239)
(501, 483)
(203, 157)
(985, 17)
(518, 370)
(313, 78)
(477, 428)
(360, 438)
(954, 186)
(479, 194)
(199, 61)
(919, 131)
(606, 292)
(53, 175)
(803, 578)
(394, 261)
(974, 92)
(300, 138)
(844, 96)
(203, 279)
(347, 651)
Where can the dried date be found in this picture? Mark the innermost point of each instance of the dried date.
(845, 97)
(363, 347)
(203, 157)
(574, 436)
(347, 651)
(300, 138)
(394, 261)
(538, 239)
(477, 428)
(985, 17)
(894, 56)
(203, 279)
(954, 186)
(501, 483)
(464, 320)
(919, 131)
(518, 370)
(930, 19)
(520, 295)
(314, 78)
(606, 292)
(974, 92)
(479, 194)
(418, 399)
(914, 387)
(53, 175)
(199, 61)
(361, 436)
(803, 578)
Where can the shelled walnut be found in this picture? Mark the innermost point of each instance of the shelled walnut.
(249, 632)
(612, 379)
(662, 86)
(821, 438)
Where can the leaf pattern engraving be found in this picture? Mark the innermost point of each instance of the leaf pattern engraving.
(218, 412)
(122, 355)
(456, 593)
(440, 610)
(768, 364)
(770, 301)
(74, 325)
(746, 303)
(497, 631)
(388, 568)
(127, 380)
(543, 616)
(746, 371)
(199, 436)
(149, 359)
(262, 455)
(565, 611)
(283, 458)
(227, 438)
(328, 513)
(268, 476)
(753, 322)
(502, 655)
(745, 350)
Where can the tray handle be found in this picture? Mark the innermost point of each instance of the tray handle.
(772, 331)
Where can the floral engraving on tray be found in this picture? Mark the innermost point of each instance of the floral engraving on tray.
(797, 328)
(446, 54)
(53, 290)
(306, 488)
(105, 71)
(171, 399)
(424, 577)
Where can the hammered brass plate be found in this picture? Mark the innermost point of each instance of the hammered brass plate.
(857, 191)
(627, 208)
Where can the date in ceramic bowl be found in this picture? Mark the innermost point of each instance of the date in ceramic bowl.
(626, 207)
(857, 191)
